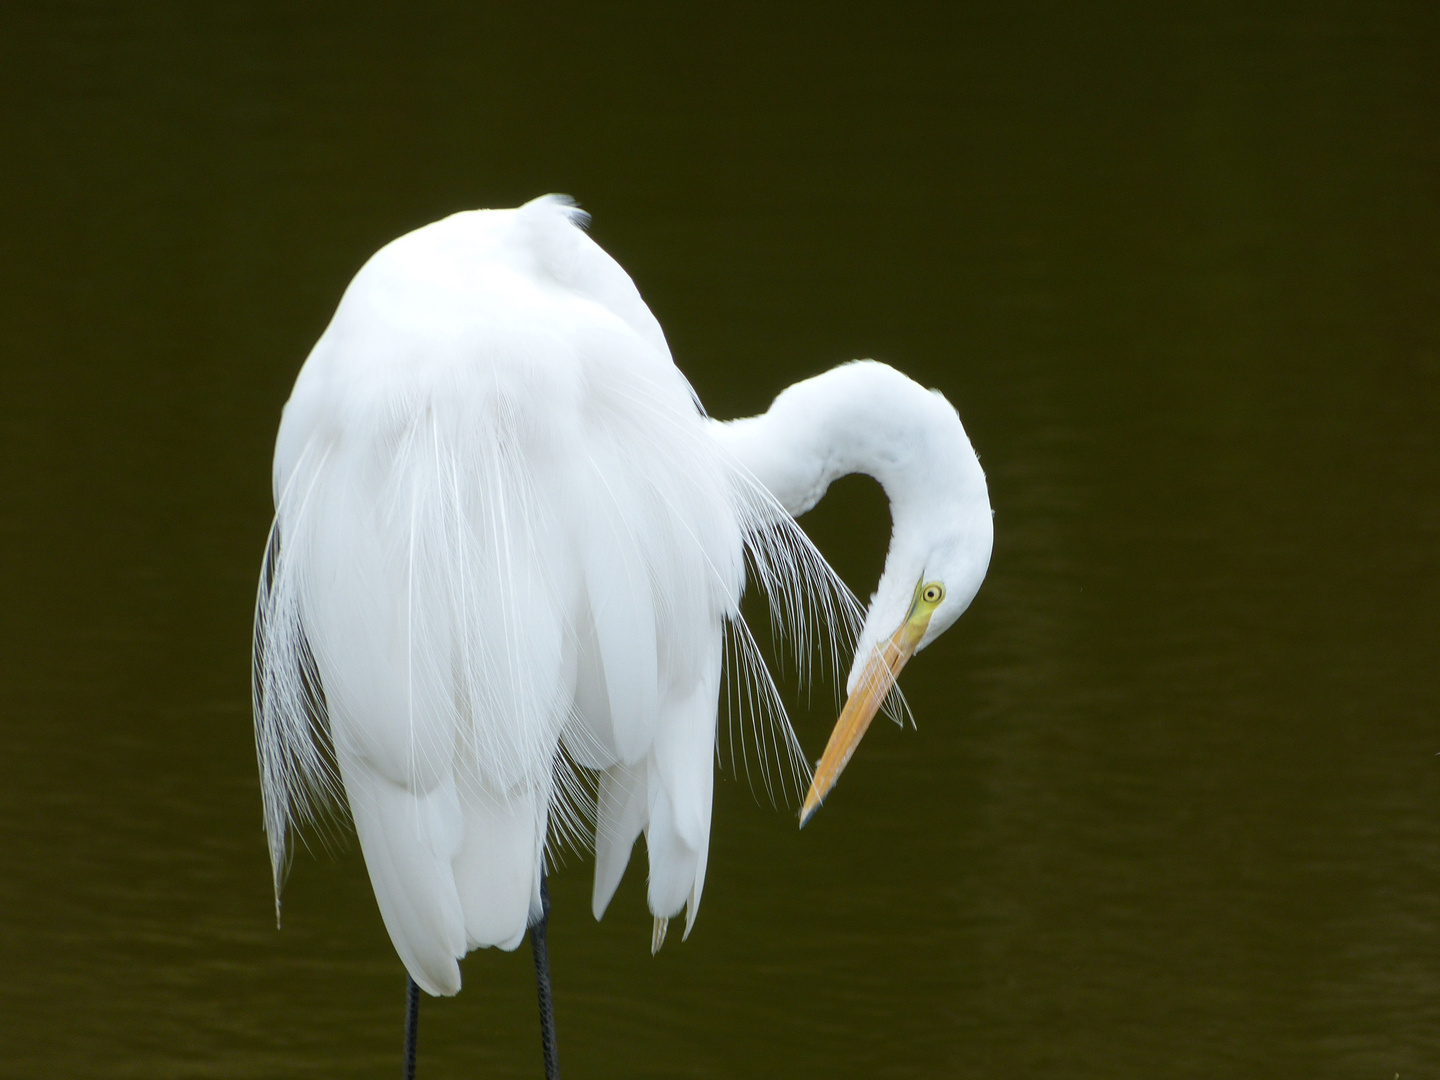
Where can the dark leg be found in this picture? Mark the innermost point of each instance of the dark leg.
(412, 1025)
(542, 983)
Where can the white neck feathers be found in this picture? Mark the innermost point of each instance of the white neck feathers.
(866, 417)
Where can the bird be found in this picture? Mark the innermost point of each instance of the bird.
(508, 553)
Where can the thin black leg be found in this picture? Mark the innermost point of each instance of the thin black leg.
(412, 1025)
(542, 985)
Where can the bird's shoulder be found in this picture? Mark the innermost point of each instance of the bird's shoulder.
(518, 269)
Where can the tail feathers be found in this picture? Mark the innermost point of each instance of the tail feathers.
(673, 862)
(497, 870)
(409, 842)
(692, 905)
(622, 810)
(668, 794)
(683, 768)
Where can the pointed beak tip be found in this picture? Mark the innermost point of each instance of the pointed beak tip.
(875, 681)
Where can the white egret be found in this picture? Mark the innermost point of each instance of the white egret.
(508, 545)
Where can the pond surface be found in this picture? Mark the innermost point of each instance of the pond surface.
(1173, 805)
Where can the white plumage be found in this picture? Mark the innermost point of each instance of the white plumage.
(507, 545)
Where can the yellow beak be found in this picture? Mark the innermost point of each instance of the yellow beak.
(876, 679)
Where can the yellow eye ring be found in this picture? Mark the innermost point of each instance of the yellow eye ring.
(933, 593)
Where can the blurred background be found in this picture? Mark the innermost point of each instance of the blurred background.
(1171, 808)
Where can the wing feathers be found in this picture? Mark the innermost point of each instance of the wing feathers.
(617, 583)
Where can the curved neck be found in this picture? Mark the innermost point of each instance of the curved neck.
(863, 417)
(866, 417)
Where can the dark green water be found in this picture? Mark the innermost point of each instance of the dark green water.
(1173, 808)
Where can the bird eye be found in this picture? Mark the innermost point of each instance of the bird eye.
(933, 593)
